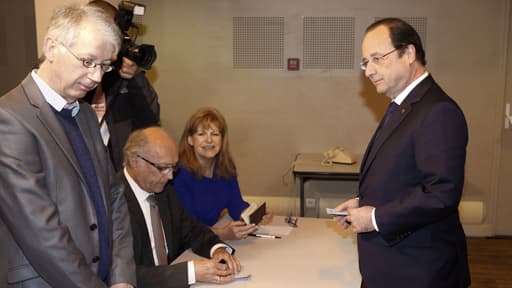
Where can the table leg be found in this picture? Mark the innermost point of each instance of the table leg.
(301, 184)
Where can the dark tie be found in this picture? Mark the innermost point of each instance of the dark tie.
(76, 139)
(391, 109)
(158, 233)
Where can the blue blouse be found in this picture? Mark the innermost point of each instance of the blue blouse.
(205, 198)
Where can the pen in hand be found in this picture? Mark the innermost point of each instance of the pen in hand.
(265, 236)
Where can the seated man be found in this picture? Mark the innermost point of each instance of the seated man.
(150, 157)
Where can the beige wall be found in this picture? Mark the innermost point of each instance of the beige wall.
(274, 114)
(17, 42)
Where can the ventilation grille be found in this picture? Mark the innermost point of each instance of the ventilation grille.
(328, 42)
(258, 42)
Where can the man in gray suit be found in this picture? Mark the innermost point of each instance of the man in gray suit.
(64, 212)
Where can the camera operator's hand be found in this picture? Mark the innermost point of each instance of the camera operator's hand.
(128, 69)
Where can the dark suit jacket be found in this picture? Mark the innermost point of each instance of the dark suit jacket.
(181, 232)
(131, 105)
(413, 173)
(52, 236)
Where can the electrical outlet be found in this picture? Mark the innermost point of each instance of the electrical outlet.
(310, 202)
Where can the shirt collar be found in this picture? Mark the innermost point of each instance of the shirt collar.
(140, 193)
(53, 98)
(401, 97)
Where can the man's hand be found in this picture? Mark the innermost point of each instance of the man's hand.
(128, 69)
(349, 204)
(222, 268)
(221, 255)
(121, 285)
(360, 219)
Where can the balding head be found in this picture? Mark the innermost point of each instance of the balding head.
(106, 6)
(150, 157)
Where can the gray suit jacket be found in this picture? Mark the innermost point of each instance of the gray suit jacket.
(52, 236)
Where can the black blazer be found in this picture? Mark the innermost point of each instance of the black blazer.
(181, 232)
(413, 173)
(131, 105)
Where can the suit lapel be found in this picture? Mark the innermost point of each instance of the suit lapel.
(49, 120)
(139, 227)
(405, 108)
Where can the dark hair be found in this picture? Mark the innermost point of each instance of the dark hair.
(402, 34)
(203, 118)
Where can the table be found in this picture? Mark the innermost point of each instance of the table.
(318, 253)
(307, 167)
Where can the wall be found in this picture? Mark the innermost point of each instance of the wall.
(504, 197)
(17, 42)
(275, 114)
(44, 9)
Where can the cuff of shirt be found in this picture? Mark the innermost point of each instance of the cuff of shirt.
(374, 223)
(191, 272)
(220, 245)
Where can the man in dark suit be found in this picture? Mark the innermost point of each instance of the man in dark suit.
(65, 215)
(412, 174)
(124, 101)
(151, 156)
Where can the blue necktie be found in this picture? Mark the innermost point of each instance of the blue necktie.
(391, 109)
(83, 155)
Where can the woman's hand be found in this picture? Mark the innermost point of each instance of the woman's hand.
(235, 230)
(267, 218)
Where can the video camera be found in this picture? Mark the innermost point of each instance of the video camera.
(143, 55)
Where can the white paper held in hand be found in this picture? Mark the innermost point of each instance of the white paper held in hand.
(331, 211)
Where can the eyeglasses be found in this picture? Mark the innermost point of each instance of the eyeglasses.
(378, 60)
(89, 63)
(164, 169)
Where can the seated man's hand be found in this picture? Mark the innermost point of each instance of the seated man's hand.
(221, 255)
(121, 285)
(222, 268)
(128, 69)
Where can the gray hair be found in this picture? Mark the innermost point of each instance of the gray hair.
(67, 20)
(136, 144)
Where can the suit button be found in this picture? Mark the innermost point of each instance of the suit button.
(95, 259)
(93, 226)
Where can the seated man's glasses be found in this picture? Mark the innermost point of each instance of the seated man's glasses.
(89, 63)
(162, 168)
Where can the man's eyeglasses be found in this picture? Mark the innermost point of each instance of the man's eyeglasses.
(377, 60)
(164, 169)
(88, 63)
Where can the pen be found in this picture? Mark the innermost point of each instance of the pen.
(265, 236)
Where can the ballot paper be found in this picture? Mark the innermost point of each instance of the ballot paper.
(331, 211)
